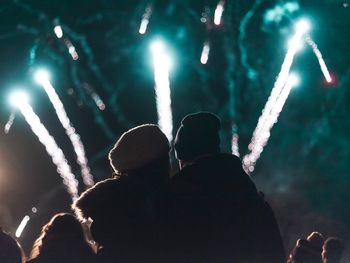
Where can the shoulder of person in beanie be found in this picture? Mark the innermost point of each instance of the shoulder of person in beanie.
(125, 207)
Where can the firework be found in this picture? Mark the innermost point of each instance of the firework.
(58, 158)
(261, 138)
(218, 12)
(318, 54)
(145, 20)
(43, 80)
(161, 62)
(205, 53)
(21, 226)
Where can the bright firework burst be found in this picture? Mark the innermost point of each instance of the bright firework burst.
(161, 62)
(19, 100)
(42, 78)
(261, 138)
(301, 28)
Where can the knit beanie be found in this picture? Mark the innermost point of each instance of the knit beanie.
(138, 147)
(197, 135)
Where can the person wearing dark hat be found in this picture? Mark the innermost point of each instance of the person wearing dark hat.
(128, 211)
(219, 215)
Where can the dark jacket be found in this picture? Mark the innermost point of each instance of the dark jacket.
(220, 217)
(128, 214)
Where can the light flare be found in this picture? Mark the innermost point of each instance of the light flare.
(162, 64)
(42, 78)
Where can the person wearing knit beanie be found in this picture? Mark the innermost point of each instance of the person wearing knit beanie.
(138, 147)
(128, 211)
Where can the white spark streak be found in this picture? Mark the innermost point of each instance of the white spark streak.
(318, 54)
(21, 226)
(260, 139)
(52, 148)
(70, 131)
(161, 62)
(218, 12)
(145, 20)
(205, 53)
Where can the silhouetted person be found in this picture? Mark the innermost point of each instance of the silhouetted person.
(333, 250)
(307, 250)
(219, 215)
(62, 240)
(129, 211)
(10, 250)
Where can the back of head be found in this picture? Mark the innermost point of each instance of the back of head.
(198, 135)
(333, 249)
(10, 250)
(62, 233)
(139, 148)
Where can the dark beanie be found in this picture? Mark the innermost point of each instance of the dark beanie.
(197, 135)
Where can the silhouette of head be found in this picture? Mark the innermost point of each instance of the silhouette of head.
(333, 249)
(10, 250)
(139, 147)
(198, 135)
(62, 233)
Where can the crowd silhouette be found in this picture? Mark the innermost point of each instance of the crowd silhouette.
(208, 212)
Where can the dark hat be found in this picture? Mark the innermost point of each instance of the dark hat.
(138, 147)
(197, 135)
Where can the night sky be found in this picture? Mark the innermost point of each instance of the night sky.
(303, 170)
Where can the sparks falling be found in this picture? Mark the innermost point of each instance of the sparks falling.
(205, 53)
(318, 54)
(218, 12)
(301, 28)
(78, 146)
(261, 138)
(145, 20)
(161, 63)
(52, 148)
(9, 123)
(21, 226)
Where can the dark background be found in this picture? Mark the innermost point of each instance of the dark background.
(304, 169)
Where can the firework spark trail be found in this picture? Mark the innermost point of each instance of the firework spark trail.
(263, 136)
(234, 141)
(279, 84)
(70, 131)
(205, 52)
(145, 20)
(9, 123)
(22, 225)
(162, 88)
(218, 12)
(52, 149)
(318, 54)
